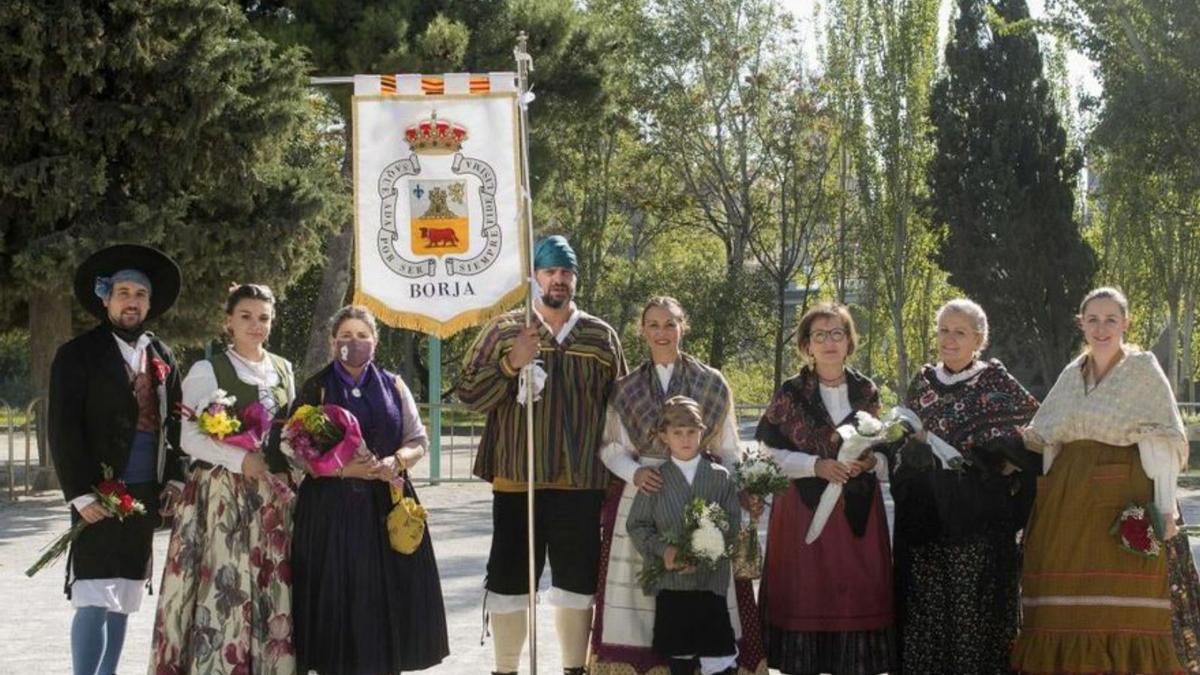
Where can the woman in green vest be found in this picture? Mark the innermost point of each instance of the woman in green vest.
(226, 600)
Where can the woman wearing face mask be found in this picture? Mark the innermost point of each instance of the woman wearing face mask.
(362, 608)
(226, 597)
(1110, 435)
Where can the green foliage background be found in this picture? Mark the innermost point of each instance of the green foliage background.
(672, 140)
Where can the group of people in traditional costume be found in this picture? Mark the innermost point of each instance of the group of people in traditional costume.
(257, 579)
(1001, 558)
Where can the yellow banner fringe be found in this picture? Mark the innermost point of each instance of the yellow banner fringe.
(429, 326)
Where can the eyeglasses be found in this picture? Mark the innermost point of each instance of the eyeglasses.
(820, 336)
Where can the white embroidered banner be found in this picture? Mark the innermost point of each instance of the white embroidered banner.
(438, 241)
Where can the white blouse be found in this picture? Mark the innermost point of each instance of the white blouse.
(804, 465)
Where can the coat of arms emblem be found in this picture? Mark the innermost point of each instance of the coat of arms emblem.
(438, 216)
(447, 195)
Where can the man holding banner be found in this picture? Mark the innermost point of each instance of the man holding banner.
(576, 357)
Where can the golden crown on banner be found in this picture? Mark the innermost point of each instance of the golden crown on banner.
(435, 137)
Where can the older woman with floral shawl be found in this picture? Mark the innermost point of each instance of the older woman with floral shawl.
(962, 489)
(624, 620)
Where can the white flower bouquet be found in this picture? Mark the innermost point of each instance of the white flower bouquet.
(699, 542)
(858, 438)
(758, 476)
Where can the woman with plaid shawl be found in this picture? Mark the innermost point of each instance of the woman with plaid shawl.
(624, 620)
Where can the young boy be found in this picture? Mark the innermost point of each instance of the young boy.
(691, 619)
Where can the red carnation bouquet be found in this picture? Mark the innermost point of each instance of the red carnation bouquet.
(116, 500)
(1139, 529)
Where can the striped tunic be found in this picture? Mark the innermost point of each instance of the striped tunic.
(569, 417)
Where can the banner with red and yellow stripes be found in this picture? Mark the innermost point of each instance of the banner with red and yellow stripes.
(438, 242)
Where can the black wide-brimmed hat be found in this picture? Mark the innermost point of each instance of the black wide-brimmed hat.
(161, 270)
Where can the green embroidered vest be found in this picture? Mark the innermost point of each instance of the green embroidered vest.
(245, 393)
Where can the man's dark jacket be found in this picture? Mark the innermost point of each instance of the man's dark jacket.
(93, 412)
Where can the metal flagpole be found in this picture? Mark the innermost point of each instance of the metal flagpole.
(524, 66)
(435, 409)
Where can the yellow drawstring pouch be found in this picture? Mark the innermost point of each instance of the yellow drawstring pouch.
(405, 523)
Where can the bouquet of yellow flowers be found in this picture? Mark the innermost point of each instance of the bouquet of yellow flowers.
(216, 418)
(322, 439)
(246, 430)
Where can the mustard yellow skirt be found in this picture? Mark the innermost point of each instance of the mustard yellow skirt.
(1089, 606)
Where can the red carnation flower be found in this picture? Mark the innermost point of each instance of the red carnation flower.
(125, 506)
(161, 369)
(1135, 532)
(110, 487)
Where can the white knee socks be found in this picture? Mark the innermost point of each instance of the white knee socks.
(508, 638)
(573, 626)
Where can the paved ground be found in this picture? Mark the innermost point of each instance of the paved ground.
(35, 618)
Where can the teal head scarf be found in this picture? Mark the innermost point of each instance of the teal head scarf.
(554, 251)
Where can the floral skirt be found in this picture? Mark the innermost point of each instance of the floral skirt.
(226, 599)
(957, 604)
(1185, 600)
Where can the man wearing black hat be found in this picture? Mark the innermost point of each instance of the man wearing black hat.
(113, 395)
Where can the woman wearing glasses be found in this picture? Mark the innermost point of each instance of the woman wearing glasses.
(963, 487)
(827, 606)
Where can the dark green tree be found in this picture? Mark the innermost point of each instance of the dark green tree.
(169, 123)
(1002, 182)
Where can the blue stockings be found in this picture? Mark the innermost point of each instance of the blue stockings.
(97, 636)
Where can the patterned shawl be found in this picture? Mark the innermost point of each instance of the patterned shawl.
(798, 420)
(638, 398)
(1132, 403)
(984, 411)
(982, 417)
